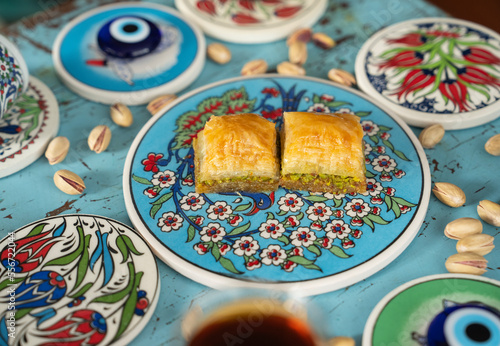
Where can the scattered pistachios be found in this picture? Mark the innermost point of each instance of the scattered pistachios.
(287, 68)
(302, 35)
(219, 53)
(341, 341)
(99, 138)
(69, 182)
(489, 212)
(482, 244)
(449, 194)
(492, 146)
(342, 77)
(121, 115)
(466, 263)
(160, 102)
(57, 150)
(431, 135)
(322, 40)
(463, 227)
(253, 67)
(297, 53)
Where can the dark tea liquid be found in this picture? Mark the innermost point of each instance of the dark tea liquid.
(254, 329)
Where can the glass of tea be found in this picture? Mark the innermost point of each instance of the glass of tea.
(253, 317)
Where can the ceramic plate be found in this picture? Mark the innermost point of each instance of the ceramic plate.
(128, 52)
(84, 278)
(27, 127)
(434, 70)
(244, 21)
(352, 236)
(447, 309)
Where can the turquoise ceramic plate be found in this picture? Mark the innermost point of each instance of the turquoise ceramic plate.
(256, 240)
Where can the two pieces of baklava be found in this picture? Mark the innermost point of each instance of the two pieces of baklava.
(319, 153)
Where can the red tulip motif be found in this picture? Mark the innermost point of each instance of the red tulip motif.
(206, 6)
(456, 92)
(413, 39)
(414, 81)
(242, 18)
(287, 11)
(247, 4)
(475, 75)
(480, 56)
(403, 59)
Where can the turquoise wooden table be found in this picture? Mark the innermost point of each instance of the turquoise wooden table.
(30, 194)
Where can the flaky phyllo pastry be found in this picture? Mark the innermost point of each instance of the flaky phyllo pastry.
(322, 153)
(236, 153)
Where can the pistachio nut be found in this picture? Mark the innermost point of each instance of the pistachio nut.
(449, 194)
(287, 68)
(69, 182)
(466, 263)
(218, 53)
(482, 244)
(341, 341)
(463, 227)
(492, 145)
(159, 103)
(431, 135)
(489, 212)
(253, 67)
(297, 53)
(99, 138)
(322, 40)
(342, 77)
(57, 150)
(121, 115)
(302, 35)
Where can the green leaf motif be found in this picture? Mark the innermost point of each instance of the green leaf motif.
(316, 198)
(159, 203)
(117, 296)
(240, 229)
(338, 251)
(141, 180)
(300, 216)
(82, 290)
(377, 219)
(284, 239)
(300, 260)
(72, 255)
(83, 264)
(191, 232)
(243, 207)
(402, 201)
(362, 114)
(314, 249)
(228, 265)
(129, 307)
(270, 216)
(36, 230)
(401, 155)
(8, 282)
(216, 252)
(312, 266)
(130, 245)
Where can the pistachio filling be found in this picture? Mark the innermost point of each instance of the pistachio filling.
(237, 179)
(340, 182)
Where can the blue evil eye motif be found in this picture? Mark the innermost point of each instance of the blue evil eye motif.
(128, 37)
(470, 324)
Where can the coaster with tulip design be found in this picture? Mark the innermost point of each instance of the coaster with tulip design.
(434, 70)
(311, 241)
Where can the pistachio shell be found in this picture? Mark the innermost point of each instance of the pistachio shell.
(121, 115)
(463, 227)
(466, 263)
(449, 194)
(253, 67)
(489, 212)
(69, 182)
(289, 69)
(322, 40)
(219, 53)
(297, 53)
(342, 77)
(99, 138)
(159, 103)
(481, 244)
(431, 135)
(492, 146)
(302, 35)
(57, 150)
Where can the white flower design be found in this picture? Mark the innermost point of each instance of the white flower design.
(303, 237)
(289, 266)
(192, 201)
(273, 255)
(357, 207)
(369, 128)
(170, 221)
(368, 149)
(200, 248)
(219, 210)
(253, 264)
(319, 211)
(345, 111)
(319, 108)
(245, 246)
(384, 163)
(290, 202)
(337, 229)
(373, 187)
(271, 229)
(212, 232)
(164, 179)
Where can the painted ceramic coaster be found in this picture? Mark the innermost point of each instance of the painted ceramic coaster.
(259, 21)
(27, 127)
(434, 70)
(258, 239)
(128, 52)
(79, 278)
(447, 309)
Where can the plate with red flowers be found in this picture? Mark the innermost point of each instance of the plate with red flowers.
(252, 21)
(78, 277)
(434, 70)
(295, 240)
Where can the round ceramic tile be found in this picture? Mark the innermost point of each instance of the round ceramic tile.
(257, 21)
(27, 127)
(128, 52)
(378, 226)
(434, 70)
(447, 309)
(78, 277)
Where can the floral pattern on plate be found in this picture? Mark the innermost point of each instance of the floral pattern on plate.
(284, 235)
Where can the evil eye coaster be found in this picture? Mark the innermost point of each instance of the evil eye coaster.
(75, 280)
(129, 53)
(434, 70)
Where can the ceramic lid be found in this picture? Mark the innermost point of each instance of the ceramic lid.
(128, 52)
(84, 278)
(434, 70)
(244, 21)
(28, 127)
